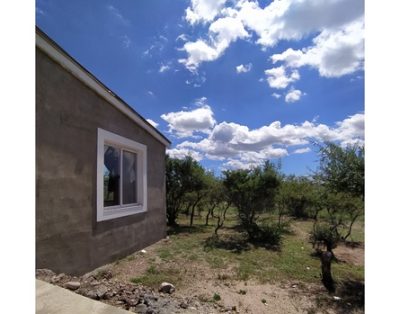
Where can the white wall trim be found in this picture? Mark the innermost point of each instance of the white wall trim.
(112, 212)
(75, 69)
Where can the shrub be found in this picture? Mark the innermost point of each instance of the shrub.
(326, 235)
(269, 234)
(252, 192)
(216, 297)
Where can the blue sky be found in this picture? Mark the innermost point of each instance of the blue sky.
(230, 82)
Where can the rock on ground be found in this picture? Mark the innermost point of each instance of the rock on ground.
(166, 287)
(99, 285)
(72, 285)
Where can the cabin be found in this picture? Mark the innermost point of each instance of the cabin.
(100, 169)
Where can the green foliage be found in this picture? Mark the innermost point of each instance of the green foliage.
(342, 169)
(216, 297)
(271, 234)
(183, 177)
(297, 197)
(252, 192)
(324, 234)
(341, 175)
(343, 209)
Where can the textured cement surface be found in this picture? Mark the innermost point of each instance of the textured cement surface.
(69, 238)
(52, 299)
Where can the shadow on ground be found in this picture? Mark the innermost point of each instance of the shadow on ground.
(352, 293)
(236, 243)
(348, 298)
(186, 229)
(354, 244)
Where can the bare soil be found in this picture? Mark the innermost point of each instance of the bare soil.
(202, 282)
(202, 287)
(351, 255)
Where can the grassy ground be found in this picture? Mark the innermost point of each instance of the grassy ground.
(234, 258)
(232, 271)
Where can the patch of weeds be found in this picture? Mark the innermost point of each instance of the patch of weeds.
(165, 254)
(215, 261)
(222, 277)
(155, 276)
(243, 292)
(152, 270)
(193, 257)
(216, 297)
(130, 257)
(263, 301)
(136, 280)
(103, 274)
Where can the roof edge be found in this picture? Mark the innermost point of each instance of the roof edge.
(59, 55)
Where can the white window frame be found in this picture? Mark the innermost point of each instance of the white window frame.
(110, 212)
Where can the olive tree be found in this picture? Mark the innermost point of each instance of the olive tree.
(183, 176)
(341, 169)
(252, 192)
(341, 174)
(297, 197)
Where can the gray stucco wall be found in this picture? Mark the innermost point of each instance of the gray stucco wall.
(68, 238)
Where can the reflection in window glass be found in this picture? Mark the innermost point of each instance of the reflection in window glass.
(129, 177)
(111, 175)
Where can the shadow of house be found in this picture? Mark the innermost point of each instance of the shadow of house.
(100, 169)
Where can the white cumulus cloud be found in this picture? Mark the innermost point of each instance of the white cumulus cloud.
(244, 68)
(152, 122)
(337, 27)
(302, 150)
(203, 10)
(222, 33)
(239, 146)
(334, 53)
(186, 123)
(293, 95)
(181, 153)
(164, 67)
(277, 77)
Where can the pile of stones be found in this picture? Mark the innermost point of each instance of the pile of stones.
(100, 285)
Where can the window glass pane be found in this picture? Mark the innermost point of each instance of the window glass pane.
(129, 177)
(111, 175)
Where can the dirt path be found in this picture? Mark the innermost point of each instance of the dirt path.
(251, 297)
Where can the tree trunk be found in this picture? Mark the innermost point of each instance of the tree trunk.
(171, 219)
(327, 279)
(219, 225)
(225, 210)
(186, 211)
(193, 208)
(351, 226)
(210, 211)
